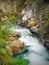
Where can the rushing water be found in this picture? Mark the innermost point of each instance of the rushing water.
(37, 54)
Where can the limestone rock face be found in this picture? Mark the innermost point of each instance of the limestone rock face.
(41, 13)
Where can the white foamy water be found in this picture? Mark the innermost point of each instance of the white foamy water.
(38, 55)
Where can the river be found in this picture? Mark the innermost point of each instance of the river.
(37, 54)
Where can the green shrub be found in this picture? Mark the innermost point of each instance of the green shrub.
(17, 61)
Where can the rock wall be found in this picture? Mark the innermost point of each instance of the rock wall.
(38, 21)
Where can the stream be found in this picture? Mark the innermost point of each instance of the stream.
(37, 54)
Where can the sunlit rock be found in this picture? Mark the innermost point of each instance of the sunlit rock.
(32, 23)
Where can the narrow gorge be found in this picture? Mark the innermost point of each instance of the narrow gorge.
(24, 32)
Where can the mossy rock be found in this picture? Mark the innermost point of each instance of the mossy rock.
(11, 38)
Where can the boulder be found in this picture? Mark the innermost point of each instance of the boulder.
(15, 47)
(16, 35)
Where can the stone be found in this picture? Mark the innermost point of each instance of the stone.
(15, 47)
(16, 35)
(32, 22)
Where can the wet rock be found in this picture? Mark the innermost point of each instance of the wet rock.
(16, 35)
(15, 47)
(46, 44)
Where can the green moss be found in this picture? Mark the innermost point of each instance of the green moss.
(2, 41)
(3, 50)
